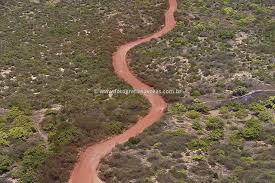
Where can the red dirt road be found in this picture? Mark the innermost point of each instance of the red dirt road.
(85, 170)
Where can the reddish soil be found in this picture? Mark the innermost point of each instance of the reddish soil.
(85, 170)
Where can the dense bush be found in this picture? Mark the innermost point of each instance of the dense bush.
(216, 135)
(213, 123)
(271, 102)
(178, 108)
(197, 125)
(193, 114)
(5, 163)
(252, 130)
(115, 127)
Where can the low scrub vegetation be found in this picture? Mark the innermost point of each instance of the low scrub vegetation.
(56, 53)
(220, 49)
(211, 148)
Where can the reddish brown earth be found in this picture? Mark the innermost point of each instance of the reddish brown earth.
(85, 170)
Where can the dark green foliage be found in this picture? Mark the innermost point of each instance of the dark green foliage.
(216, 135)
(5, 163)
(133, 141)
(199, 107)
(198, 143)
(115, 128)
(239, 91)
(252, 130)
(33, 159)
(271, 102)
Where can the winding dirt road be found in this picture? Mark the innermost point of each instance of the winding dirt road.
(85, 170)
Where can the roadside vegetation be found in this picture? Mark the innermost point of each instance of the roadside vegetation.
(218, 53)
(219, 145)
(54, 54)
(218, 50)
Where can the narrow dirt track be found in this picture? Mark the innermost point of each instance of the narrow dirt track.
(85, 170)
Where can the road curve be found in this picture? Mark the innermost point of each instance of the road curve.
(85, 170)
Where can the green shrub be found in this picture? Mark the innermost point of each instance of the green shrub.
(195, 93)
(242, 113)
(235, 106)
(216, 135)
(252, 130)
(160, 172)
(200, 26)
(259, 9)
(198, 158)
(235, 140)
(229, 11)
(22, 120)
(198, 106)
(5, 163)
(13, 113)
(180, 41)
(265, 116)
(133, 141)
(224, 111)
(226, 34)
(272, 140)
(178, 108)
(177, 132)
(213, 123)
(257, 108)
(115, 128)
(197, 126)
(65, 135)
(193, 114)
(247, 20)
(247, 160)
(4, 138)
(271, 102)
(20, 132)
(239, 91)
(220, 152)
(154, 53)
(2, 123)
(197, 144)
(33, 159)
(181, 173)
